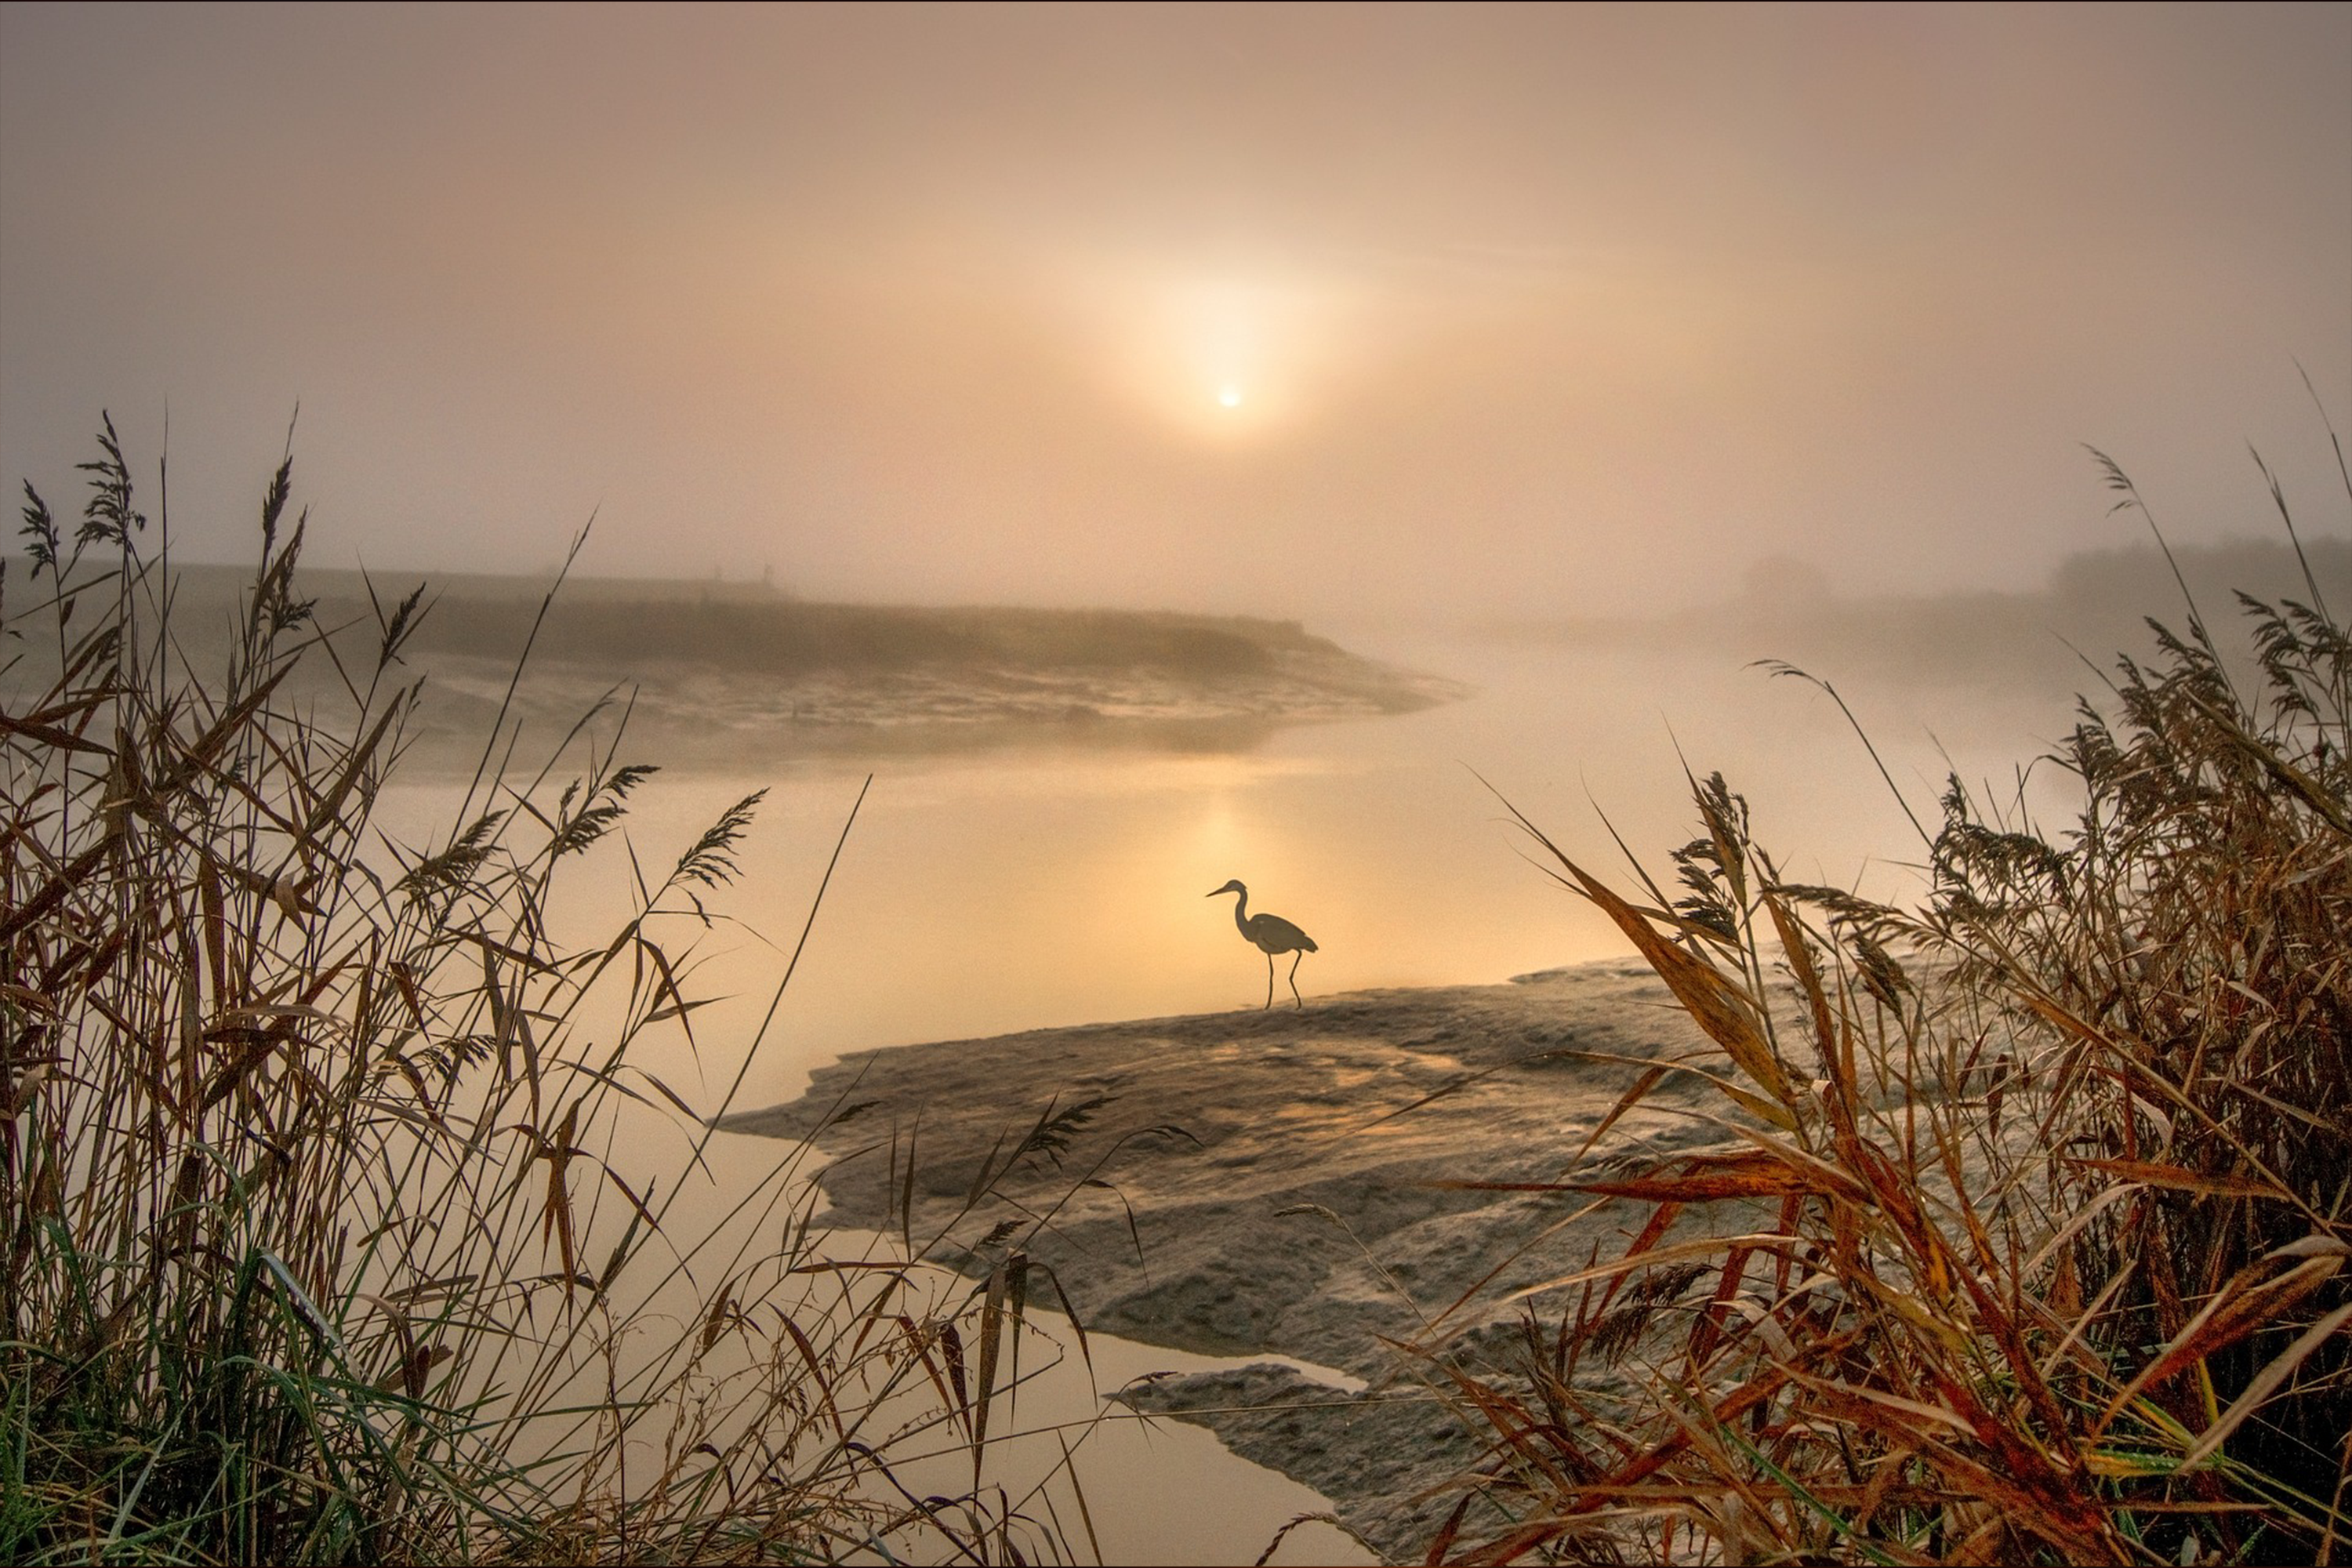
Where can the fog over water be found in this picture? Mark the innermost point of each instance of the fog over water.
(1055, 873)
(1301, 311)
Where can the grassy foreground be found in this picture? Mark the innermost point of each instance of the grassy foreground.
(316, 1240)
(2028, 1237)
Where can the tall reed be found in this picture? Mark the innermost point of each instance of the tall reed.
(2026, 1239)
(317, 1242)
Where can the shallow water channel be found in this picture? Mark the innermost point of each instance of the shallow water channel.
(981, 894)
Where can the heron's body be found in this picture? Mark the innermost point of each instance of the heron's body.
(1272, 934)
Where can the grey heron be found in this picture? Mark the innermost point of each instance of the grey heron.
(1272, 934)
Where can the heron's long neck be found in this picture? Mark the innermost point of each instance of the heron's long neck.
(1241, 911)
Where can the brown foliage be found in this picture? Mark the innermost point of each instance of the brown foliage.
(2057, 1165)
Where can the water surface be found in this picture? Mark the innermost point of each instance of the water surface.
(985, 892)
(981, 893)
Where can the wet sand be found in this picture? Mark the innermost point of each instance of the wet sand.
(1274, 1184)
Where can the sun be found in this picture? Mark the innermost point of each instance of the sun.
(1229, 398)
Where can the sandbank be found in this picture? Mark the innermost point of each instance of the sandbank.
(1282, 1183)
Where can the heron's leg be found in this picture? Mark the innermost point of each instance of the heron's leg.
(1269, 982)
(1294, 978)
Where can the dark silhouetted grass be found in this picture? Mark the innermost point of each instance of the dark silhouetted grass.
(316, 1240)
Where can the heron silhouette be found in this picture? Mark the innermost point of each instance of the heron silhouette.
(1273, 934)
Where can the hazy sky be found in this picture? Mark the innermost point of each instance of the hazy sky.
(1524, 308)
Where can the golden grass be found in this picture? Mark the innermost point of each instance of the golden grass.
(2026, 1239)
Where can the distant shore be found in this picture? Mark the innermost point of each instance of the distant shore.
(733, 674)
(1299, 1212)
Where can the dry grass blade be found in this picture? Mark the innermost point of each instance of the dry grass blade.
(2266, 1382)
(1642, 1085)
(1714, 1178)
(2245, 1304)
(1714, 1003)
(992, 1336)
(2156, 1174)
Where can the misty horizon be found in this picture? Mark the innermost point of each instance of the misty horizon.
(1288, 311)
(2265, 564)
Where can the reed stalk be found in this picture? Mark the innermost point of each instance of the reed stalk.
(326, 1228)
(2026, 1237)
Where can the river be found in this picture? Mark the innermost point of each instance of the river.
(982, 893)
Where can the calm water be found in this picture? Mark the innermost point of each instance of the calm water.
(981, 894)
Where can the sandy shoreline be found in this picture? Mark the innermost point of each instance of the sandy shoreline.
(1299, 1212)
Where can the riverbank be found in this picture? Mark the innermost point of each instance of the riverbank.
(1286, 1183)
(736, 674)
